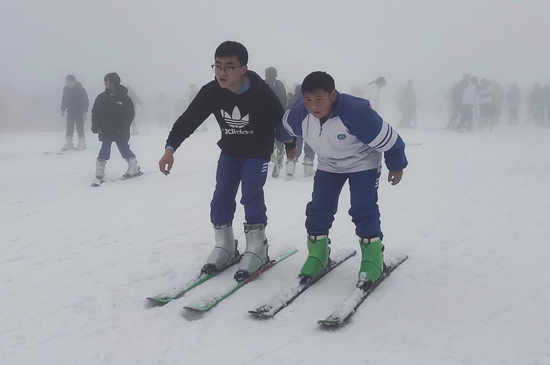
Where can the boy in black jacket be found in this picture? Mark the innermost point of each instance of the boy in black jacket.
(248, 113)
(112, 115)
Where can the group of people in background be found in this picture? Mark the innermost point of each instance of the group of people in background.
(472, 100)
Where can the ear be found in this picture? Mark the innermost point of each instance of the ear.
(333, 95)
(244, 69)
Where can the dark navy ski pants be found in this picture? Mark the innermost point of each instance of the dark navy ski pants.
(364, 211)
(251, 174)
(123, 148)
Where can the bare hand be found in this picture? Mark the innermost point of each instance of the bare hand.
(99, 131)
(166, 162)
(394, 177)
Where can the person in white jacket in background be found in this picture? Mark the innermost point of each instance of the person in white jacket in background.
(469, 101)
(373, 93)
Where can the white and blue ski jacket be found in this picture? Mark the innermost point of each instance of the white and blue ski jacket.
(351, 140)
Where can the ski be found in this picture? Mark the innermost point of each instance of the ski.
(178, 292)
(56, 152)
(299, 286)
(206, 304)
(348, 307)
(99, 182)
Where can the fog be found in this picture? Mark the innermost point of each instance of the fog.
(168, 45)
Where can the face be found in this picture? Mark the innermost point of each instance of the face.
(319, 103)
(70, 83)
(109, 85)
(231, 80)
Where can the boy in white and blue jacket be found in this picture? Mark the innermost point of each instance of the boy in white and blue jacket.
(349, 138)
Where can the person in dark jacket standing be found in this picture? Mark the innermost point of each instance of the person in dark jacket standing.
(75, 102)
(248, 112)
(112, 115)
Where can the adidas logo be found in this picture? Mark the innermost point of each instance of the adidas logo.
(234, 119)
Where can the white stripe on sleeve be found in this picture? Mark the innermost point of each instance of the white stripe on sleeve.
(385, 139)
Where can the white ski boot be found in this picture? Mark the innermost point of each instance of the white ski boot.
(308, 167)
(290, 169)
(68, 144)
(255, 256)
(81, 144)
(133, 168)
(99, 172)
(225, 251)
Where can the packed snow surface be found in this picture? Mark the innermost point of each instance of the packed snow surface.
(76, 263)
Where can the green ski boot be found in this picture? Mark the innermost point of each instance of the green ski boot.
(318, 256)
(372, 262)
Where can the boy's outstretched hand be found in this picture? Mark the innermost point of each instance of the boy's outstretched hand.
(166, 162)
(394, 177)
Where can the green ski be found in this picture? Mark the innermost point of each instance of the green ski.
(206, 304)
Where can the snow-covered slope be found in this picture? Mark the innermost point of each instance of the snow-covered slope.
(77, 263)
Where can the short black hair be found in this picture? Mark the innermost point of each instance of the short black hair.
(271, 72)
(232, 48)
(70, 78)
(381, 80)
(113, 78)
(318, 80)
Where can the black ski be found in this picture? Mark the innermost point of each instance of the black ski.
(348, 307)
(299, 286)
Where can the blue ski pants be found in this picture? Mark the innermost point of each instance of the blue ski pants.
(251, 175)
(364, 210)
(123, 148)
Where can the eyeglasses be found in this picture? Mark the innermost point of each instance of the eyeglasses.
(228, 70)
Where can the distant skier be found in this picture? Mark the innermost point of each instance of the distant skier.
(485, 100)
(373, 93)
(513, 96)
(468, 101)
(162, 110)
(135, 100)
(350, 139)
(408, 105)
(309, 154)
(538, 104)
(75, 101)
(112, 115)
(279, 89)
(498, 100)
(248, 112)
(456, 100)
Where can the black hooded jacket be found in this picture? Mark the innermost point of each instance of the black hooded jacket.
(113, 114)
(75, 100)
(247, 121)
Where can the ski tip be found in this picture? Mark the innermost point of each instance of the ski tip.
(155, 302)
(260, 314)
(396, 261)
(196, 309)
(329, 323)
(159, 300)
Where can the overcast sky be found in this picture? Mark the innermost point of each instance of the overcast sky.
(167, 45)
